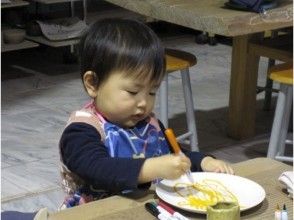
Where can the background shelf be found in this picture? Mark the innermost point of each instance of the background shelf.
(14, 3)
(43, 40)
(52, 1)
(23, 45)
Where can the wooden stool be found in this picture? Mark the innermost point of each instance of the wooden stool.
(283, 74)
(180, 60)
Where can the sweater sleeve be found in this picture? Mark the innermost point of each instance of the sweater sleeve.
(84, 154)
(194, 156)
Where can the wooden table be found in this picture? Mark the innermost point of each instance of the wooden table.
(261, 170)
(210, 16)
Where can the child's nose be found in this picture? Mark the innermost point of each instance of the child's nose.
(142, 103)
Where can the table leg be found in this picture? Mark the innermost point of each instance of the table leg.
(244, 70)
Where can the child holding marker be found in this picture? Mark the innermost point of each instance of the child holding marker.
(115, 143)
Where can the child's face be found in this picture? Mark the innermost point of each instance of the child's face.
(124, 100)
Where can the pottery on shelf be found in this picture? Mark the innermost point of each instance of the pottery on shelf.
(13, 36)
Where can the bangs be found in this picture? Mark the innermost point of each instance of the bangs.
(142, 64)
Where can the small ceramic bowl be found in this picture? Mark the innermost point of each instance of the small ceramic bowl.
(13, 36)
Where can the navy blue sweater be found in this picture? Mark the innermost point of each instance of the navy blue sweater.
(84, 154)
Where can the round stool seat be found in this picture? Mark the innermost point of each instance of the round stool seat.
(178, 60)
(282, 73)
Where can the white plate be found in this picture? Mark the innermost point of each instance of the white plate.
(248, 193)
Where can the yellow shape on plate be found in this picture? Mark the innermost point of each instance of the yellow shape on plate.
(203, 194)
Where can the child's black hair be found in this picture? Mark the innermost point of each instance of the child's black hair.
(125, 45)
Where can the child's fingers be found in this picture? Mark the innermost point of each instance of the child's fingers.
(186, 164)
(186, 167)
(224, 169)
(227, 169)
(180, 163)
(185, 159)
(230, 170)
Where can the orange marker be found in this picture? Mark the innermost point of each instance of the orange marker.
(176, 147)
(172, 140)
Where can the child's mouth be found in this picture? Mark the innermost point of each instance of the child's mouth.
(138, 117)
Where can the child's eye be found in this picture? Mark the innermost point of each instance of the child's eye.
(132, 92)
(152, 93)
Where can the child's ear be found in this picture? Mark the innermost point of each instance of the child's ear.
(89, 79)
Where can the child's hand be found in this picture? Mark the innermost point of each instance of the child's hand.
(167, 167)
(210, 164)
(173, 166)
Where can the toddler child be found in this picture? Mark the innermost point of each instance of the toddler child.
(115, 143)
